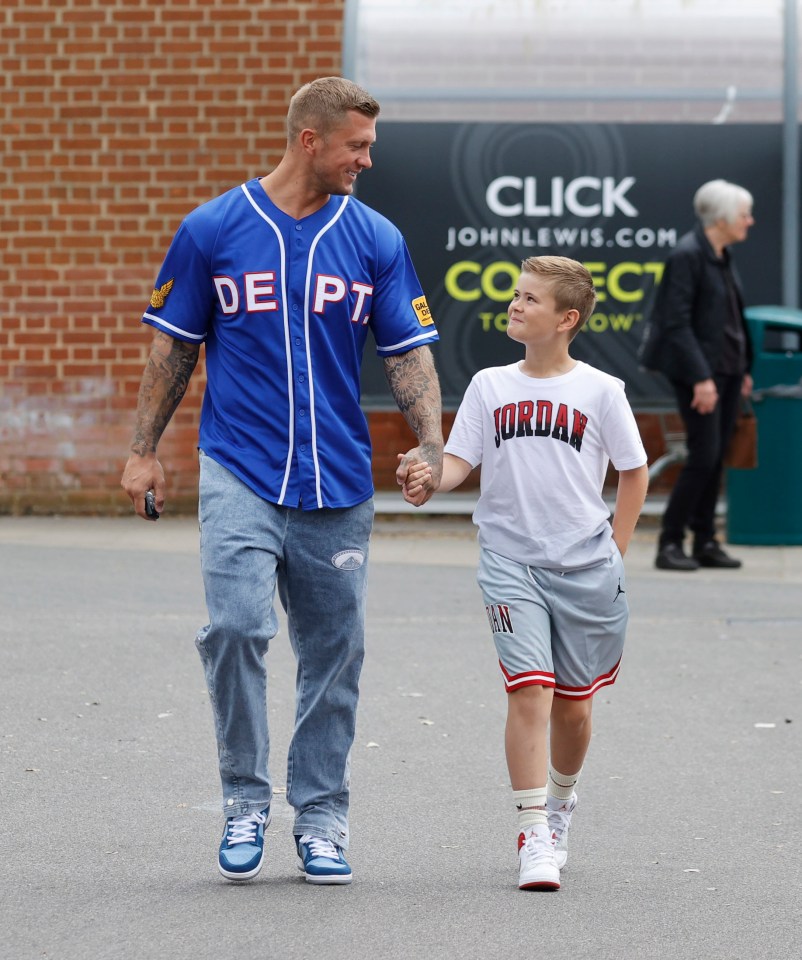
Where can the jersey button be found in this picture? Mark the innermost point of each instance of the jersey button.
(301, 378)
(298, 226)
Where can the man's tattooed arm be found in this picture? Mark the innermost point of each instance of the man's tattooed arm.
(163, 386)
(416, 389)
(164, 383)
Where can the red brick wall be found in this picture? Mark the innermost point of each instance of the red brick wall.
(117, 117)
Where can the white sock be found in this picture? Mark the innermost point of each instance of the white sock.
(531, 807)
(561, 785)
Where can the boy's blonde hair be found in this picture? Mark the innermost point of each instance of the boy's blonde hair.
(570, 282)
(322, 105)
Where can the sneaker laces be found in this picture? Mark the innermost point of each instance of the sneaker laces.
(320, 847)
(243, 829)
(559, 821)
(538, 846)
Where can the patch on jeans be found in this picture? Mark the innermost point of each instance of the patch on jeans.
(348, 559)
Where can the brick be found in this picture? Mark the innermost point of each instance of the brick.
(79, 250)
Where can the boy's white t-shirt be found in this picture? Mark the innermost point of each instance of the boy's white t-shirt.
(544, 446)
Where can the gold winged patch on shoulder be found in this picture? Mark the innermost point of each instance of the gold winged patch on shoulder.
(158, 297)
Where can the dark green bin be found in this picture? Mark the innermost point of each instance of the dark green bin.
(764, 505)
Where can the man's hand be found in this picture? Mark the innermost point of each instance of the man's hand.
(143, 473)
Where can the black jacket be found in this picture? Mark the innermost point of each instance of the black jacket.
(684, 335)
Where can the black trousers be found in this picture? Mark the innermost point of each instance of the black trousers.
(692, 503)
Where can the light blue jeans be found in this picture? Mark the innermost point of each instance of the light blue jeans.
(318, 560)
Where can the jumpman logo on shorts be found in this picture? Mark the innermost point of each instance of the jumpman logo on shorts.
(618, 591)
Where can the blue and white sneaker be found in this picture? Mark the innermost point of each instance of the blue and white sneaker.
(321, 860)
(242, 848)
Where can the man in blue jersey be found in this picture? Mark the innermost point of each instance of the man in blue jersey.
(281, 278)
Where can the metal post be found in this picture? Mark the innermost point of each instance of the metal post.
(350, 15)
(790, 192)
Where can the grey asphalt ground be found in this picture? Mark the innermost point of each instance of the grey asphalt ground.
(686, 840)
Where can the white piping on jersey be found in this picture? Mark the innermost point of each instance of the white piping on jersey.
(310, 377)
(323, 230)
(288, 354)
(184, 333)
(405, 343)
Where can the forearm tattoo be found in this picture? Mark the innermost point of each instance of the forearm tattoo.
(164, 383)
(416, 389)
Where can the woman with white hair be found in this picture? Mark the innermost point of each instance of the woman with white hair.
(698, 338)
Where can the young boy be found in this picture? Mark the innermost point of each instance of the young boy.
(551, 569)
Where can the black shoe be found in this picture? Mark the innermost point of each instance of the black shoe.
(672, 557)
(710, 554)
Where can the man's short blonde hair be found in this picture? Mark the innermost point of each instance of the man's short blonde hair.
(322, 105)
(570, 283)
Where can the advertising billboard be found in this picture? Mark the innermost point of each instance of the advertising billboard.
(474, 200)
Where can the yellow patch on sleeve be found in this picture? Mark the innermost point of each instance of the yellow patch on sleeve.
(422, 311)
(158, 297)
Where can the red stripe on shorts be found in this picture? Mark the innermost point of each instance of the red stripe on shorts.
(532, 678)
(582, 693)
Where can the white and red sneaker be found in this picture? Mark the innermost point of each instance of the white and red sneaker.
(538, 863)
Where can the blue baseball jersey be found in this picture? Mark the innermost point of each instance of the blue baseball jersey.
(284, 307)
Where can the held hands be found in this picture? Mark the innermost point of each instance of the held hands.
(705, 396)
(415, 479)
(420, 471)
(143, 473)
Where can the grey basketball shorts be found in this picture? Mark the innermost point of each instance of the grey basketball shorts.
(561, 629)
